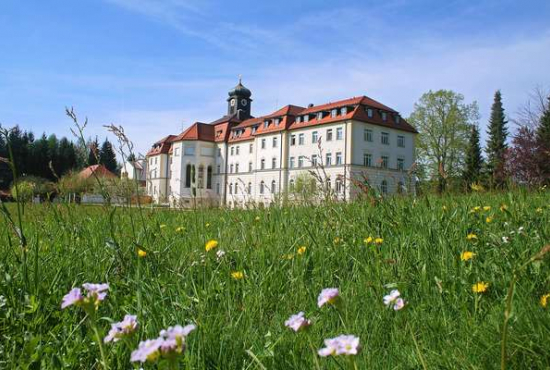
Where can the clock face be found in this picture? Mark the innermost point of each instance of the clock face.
(232, 102)
(244, 102)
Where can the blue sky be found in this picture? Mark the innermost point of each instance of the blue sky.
(156, 66)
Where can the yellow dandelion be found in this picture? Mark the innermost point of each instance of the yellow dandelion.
(207, 224)
(489, 220)
(257, 218)
(302, 250)
(378, 241)
(471, 236)
(476, 187)
(503, 207)
(162, 226)
(287, 256)
(211, 244)
(538, 210)
(544, 300)
(487, 208)
(465, 256)
(480, 287)
(368, 240)
(141, 253)
(237, 275)
(444, 208)
(337, 240)
(476, 209)
(180, 229)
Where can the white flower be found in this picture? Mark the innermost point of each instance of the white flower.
(297, 322)
(220, 253)
(342, 345)
(328, 295)
(393, 299)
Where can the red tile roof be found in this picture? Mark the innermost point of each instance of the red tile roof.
(162, 146)
(95, 170)
(197, 131)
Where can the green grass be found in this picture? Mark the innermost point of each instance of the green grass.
(240, 322)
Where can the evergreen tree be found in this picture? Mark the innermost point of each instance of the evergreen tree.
(496, 144)
(543, 144)
(93, 152)
(473, 163)
(53, 156)
(67, 156)
(107, 156)
(39, 159)
(131, 157)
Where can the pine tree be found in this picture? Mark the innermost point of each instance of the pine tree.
(496, 144)
(93, 152)
(107, 156)
(67, 156)
(53, 156)
(474, 161)
(543, 144)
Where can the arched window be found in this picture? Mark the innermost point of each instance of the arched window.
(262, 187)
(329, 184)
(188, 176)
(291, 185)
(200, 177)
(231, 188)
(384, 187)
(249, 188)
(339, 185)
(209, 177)
(400, 187)
(273, 187)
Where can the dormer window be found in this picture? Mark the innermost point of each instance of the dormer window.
(266, 124)
(384, 116)
(218, 133)
(319, 116)
(298, 119)
(334, 113)
(369, 112)
(277, 121)
(344, 111)
(306, 118)
(397, 118)
(254, 128)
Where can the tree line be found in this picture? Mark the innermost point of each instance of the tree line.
(450, 156)
(48, 157)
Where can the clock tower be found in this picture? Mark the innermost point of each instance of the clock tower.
(239, 101)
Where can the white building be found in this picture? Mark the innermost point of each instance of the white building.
(348, 146)
(134, 170)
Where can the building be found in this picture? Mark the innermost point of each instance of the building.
(240, 159)
(135, 170)
(98, 170)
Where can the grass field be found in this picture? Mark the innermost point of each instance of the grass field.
(240, 318)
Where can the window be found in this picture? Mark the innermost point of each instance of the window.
(249, 166)
(397, 118)
(384, 116)
(329, 134)
(262, 164)
(266, 124)
(189, 150)
(236, 168)
(301, 139)
(333, 113)
(217, 188)
(254, 129)
(176, 152)
(200, 180)
(338, 158)
(301, 161)
(339, 186)
(328, 184)
(319, 116)
(384, 187)
(369, 112)
(400, 164)
(385, 138)
(291, 162)
(189, 173)
(218, 169)
(262, 187)
(231, 188)
(209, 177)
(219, 152)
(291, 185)
(237, 150)
(384, 160)
(292, 140)
(401, 187)
(344, 111)
(328, 160)
(232, 150)
(339, 133)
(314, 137)
(263, 143)
(367, 135)
(314, 160)
(249, 191)
(401, 141)
(231, 168)
(367, 160)
(251, 148)
(236, 188)
(273, 162)
(298, 120)
(306, 118)
(273, 187)
(275, 142)
(277, 121)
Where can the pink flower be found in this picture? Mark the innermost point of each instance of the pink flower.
(328, 295)
(297, 322)
(73, 297)
(393, 299)
(148, 350)
(121, 329)
(342, 345)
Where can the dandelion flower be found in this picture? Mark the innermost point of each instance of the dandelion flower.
(237, 275)
(466, 256)
(162, 226)
(337, 240)
(211, 244)
(489, 220)
(297, 322)
(480, 287)
(393, 299)
(477, 209)
(476, 187)
(207, 224)
(302, 250)
(180, 229)
(121, 329)
(328, 295)
(73, 297)
(503, 207)
(288, 256)
(257, 218)
(444, 208)
(378, 241)
(471, 236)
(368, 240)
(544, 300)
(342, 345)
(141, 253)
(487, 208)
(538, 210)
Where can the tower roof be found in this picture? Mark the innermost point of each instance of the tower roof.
(240, 91)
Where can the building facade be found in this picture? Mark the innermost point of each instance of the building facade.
(338, 149)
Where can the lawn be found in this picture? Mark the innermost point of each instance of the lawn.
(270, 264)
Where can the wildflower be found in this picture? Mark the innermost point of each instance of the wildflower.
(378, 241)
(337, 240)
(465, 256)
(141, 253)
(288, 256)
(444, 208)
(162, 226)
(174, 338)
(480, 287)
(211, 244)
(487, 208)
(328, 295)
(73, 297)
(476, 187)
(220, 253)
(180, 229)
(148, 350)
(302, 250)
(505, 239)
(503, 207)
(368, 240)
(393, 299)
(538, 210)
(257, 218)
(544, 300)
(489, 220)
(297, 322)
(207, 224)
(341, 345)
(471, 236)
(237, 275)
(121, 329)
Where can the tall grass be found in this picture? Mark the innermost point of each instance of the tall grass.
(240, 322)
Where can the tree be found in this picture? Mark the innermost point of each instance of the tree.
(53, 156)
(39, 159)
(543, 144)
(474, 160)
(444, 121)
(67, 156)
(107, 156)
(93, 152)
(522, 158)
(496, 144)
